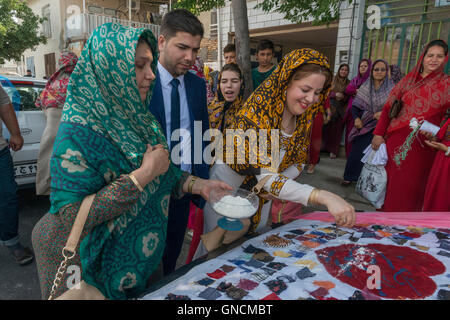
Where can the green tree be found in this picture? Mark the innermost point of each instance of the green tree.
(19, 29)
(297, 11)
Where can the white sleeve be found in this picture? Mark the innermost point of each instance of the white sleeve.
(285, 188)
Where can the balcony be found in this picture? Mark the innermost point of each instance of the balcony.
(81, 26)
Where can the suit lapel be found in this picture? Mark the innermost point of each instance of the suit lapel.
(190, 90)
(157, 105)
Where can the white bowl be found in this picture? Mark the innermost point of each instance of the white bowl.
(234, 210)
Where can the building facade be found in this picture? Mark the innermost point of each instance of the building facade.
(285, 35)
(70, 23)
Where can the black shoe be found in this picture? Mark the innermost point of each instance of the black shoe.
(23, 256)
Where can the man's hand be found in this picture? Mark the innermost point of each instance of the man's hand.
(16, 142)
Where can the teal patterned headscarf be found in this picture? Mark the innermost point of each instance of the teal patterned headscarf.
(104, 130)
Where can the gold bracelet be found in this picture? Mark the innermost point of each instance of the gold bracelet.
(191, 184)
(136, 182)
(313, 197)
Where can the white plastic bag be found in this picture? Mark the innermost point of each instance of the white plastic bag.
(372, 182)
(380, 157)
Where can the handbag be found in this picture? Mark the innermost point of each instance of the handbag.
(395, 108)
(82, 291)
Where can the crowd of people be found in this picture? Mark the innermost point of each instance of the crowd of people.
(131, 105)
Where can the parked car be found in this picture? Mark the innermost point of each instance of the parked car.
(23, 93)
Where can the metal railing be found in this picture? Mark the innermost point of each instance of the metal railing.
(85, 24)
(402, 37)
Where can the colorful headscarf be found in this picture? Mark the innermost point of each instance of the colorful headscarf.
(421, 97)
(339, 84)
(54, 94)
(264, 110)
(371, 101)
(222, 113)
(361, 78)
(396, 73)
(104, 130)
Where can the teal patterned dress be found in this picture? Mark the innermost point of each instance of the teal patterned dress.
(103, 134)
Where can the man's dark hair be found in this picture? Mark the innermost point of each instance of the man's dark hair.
(265, 44)
(180, 20)
(229, 48)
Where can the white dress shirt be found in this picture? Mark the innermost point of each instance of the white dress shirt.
(184, 148)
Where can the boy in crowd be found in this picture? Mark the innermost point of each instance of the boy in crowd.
(265, 51)
(229, 53)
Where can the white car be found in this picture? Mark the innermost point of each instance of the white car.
(23, 93)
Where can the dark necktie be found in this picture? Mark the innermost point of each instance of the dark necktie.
(174, 107)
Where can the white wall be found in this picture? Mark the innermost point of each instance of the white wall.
(53, 43)
(349, 40)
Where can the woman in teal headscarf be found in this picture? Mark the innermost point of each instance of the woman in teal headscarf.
(109, 144)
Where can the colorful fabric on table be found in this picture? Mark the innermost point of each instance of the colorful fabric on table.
(54, 94)
(338, 268)
(104, 130)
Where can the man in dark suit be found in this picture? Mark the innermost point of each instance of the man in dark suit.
(179, 102)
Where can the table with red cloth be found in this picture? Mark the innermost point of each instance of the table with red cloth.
(384, 256)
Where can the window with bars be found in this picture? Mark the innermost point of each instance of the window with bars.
(406, 27)
(213, 24)
(46, 25)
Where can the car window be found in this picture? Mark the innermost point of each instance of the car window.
(23, 96)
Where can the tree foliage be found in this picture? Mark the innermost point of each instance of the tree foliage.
(297, 11)
(19, 29)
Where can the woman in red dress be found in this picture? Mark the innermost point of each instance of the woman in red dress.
(364, 67)
(437, 194)
(333, 130)
(423, 94)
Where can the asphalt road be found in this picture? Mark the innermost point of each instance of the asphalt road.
(21, 283)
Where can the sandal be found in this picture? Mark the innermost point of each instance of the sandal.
(23, 256)
(310, 169)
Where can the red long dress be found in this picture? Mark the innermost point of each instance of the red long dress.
(437, 194)
(316, 135)
(422, 98)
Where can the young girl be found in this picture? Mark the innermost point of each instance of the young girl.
(223, 109)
